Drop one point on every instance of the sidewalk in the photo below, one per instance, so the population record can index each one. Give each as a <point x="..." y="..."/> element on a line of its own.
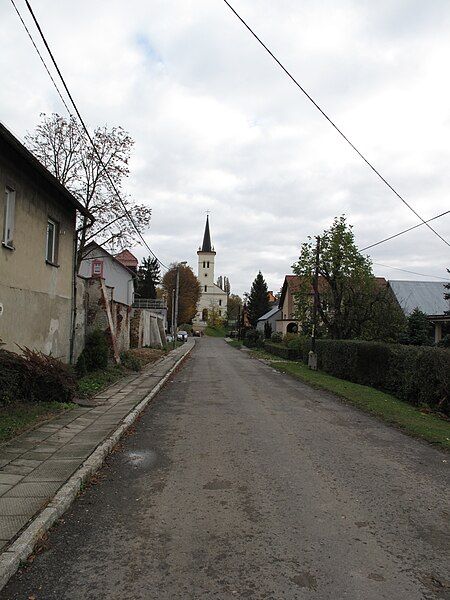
<point x="35" y="465"/>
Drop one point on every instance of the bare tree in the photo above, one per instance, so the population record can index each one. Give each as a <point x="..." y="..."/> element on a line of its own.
<point x="63" y="147"/>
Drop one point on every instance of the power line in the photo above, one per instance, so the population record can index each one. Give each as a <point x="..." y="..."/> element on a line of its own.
<point x="324" y="114"/>
<point x="126" y="211"/>
<point x="40" y="56"/>
<point x="391" y="237"/>
<point x="411" y="272"/>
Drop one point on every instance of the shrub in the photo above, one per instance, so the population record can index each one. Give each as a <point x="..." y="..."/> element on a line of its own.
<point x="279" y="350"/>
<point x="130" y="361"/>
<point x="289" y="337"/>
<point x="418" y="375"/>
<point x="95" y="353"/>
<point x="276" y="337"/>
<point x="253" y="339"/>
<point x="34" y="377"/>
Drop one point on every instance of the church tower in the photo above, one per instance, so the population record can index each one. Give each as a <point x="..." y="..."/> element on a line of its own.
<point x="212" y="296"/>
<point x="206" y="255"/>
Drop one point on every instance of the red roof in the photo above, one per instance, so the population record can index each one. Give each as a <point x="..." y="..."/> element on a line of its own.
<point x="127" y="259"/>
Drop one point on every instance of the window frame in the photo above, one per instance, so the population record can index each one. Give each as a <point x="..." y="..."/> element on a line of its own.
<point x="9" y="215"/>
<point x="53" y="259"/>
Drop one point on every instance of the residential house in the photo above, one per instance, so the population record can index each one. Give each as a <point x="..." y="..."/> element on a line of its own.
<point x="37" y="254"/>
<point x="128" y="260"/>
<point x="98" y="262"/>
<point x="286" y="321"/>
<point x="427" y="296"/>
<point x="271" y="318"/>
<point x="271" y="297"/>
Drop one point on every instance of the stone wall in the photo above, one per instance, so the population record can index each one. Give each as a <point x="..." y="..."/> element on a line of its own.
<point x="146" y="328"/>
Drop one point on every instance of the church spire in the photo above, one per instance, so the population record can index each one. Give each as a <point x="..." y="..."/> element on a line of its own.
<point x="206" y="246"/>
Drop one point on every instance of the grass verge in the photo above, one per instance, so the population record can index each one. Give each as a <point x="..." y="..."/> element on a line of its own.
<point x="94" y="382"/>
<point x="17" y="418"/>
<point x="216" y="331"/>
<point x="410" y="419"/>
<point x="235" y="343"/>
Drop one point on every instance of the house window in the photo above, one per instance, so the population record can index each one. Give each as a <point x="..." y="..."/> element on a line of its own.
<point x="97" y="268"/>
<point x="205" y="314"/>
<point x="206" y="288"/>
<point x="8" y="230"/>
<point x="51" y="252"/>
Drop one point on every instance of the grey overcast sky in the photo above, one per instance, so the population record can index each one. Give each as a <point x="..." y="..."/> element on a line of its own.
<point x="218" y="126"/>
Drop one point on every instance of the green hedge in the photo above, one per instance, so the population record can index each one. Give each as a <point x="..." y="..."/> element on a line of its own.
<point x="418" y="375"/>
<point x="281" y="350"/>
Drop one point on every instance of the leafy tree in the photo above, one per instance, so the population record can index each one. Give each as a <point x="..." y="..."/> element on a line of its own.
<point x="419" y="329"/>
<point x="214" y="319"/>
<point x="62" y="146"/>
<point x="349" y="297"/>
<point x="149" y="278"/>
<point x="234" y="307"/>
<point x="189" y="292"/>
<point x="258" y="302"/>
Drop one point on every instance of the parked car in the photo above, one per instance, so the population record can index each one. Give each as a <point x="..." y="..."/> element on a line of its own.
<point x="197" y="333"/>
<point x="182" y="336"/>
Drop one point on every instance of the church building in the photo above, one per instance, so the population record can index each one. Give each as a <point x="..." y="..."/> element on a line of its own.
<point x="212" y="296"/>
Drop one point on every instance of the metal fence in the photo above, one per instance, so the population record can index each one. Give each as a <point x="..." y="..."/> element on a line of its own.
<point x="149" y="303"/>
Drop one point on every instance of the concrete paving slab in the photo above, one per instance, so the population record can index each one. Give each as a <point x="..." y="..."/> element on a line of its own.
<point x="10" y="507"/>
<point x="40" y="456"/>
<point x="27" y="462"/>
<point x="9" y="478"/>
<point x="54" y="470"/>
<point x="36" y="489"/>
<point x="10" y="525"/>
<point x="17" y="469"/>
<point x="4" y="488"/>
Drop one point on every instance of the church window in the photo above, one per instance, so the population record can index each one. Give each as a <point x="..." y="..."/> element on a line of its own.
<point x="207" y="264"/>
<point x="206" y="274"/>
<point x="204" y="264"/>
<point x="220" y="302"/>
<point x="206" y="288"/>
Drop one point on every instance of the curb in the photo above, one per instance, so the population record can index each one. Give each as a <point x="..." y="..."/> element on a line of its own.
<point x="23" y="546"/>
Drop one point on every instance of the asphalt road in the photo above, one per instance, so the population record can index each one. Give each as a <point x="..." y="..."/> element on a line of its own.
<point x="240" y="482"/>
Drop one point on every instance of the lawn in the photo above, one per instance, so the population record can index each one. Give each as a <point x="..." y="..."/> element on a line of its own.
<point x="235" y="343"/>
<point x="411" y="420"/>
<point x="17" y="418"/>
<point x="216" y="331"/>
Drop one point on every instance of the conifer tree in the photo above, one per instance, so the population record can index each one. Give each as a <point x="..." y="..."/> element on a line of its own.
<point x="149" y="278"/>
<point x="258" y="301"/>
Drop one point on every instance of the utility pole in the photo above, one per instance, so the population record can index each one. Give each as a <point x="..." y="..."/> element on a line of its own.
<point x="177" y="293"/>
<point x="312" y="357"/>
<point x="173" y="318"/>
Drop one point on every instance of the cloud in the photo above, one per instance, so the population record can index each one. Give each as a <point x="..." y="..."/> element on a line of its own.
<point x="219" y="127"/>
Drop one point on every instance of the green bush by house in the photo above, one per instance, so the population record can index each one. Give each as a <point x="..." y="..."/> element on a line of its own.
<point x="95" y="353"/>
